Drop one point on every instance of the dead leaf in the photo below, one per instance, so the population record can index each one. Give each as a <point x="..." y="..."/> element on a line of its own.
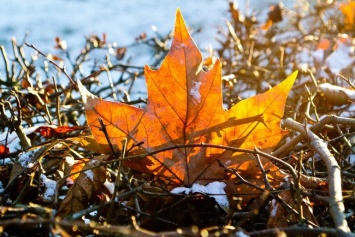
<point x="60" y="44"/>
<point x="185" y="107"/>
<point x="50" y="131"/>
<point x="348" y="10"/>
<point x="77" y="167"/>
<point x="120" y="53"/>
<point x="86" y="142"/>
<point x="85" y="188"/>
<point x="337" y="95"/>
<point x="274" y="16"/>
<point x="25" y="161"/>
<point x="280" y="217"/>
<point x="4" y="151"/>
<point x="234" y="11"/>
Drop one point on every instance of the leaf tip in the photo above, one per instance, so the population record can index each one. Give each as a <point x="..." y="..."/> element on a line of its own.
<point x="295" y="73"/>
<point x="179" y="19"/>
<point x="293" y="76"/>
<point x="85" y="94"/>
<point x="178" y="12"/>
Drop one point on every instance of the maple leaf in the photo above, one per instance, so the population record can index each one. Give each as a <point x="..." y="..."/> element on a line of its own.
<point x="185" y="107"/>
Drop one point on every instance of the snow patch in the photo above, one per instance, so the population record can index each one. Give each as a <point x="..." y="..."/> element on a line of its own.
<point x="90" y="174"/>
<point x="349" y="113"/>
<point x="110" y="186"/>
<point x="179" y="190"/>
<point x="25" y="158"/>
<point x="11" y="139"/>
<point x="214" y="190"/>
<point x="351" y="159"/>
<point x="69" y="160"/>
<point x="86" y="220"/>
<point x="195" y="91"/>
<point x="274" y="208"/>
<point x="340" y="58"/>
<point x="49" y="190"/>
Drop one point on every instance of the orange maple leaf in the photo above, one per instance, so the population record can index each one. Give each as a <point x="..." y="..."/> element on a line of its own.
<point x="185" y="107"/>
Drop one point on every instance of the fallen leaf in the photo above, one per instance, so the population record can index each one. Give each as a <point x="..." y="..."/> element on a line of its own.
<point x="348" y="10"/>
<point x="337" y="95"/>
<point x="85" y="188"/>
<point x="280" y="217"/>
<point x="185" y="107"/>
<point x="50" y="131"/>
<point x="86" y="142"/>
<point x="4" y="151"/>
<point x="274" y="16"/>
<point x="77" y="167"/>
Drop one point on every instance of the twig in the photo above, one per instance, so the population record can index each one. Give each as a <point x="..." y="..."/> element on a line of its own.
<point x="118" y="178"/>
<point x="104" y="130"/>
<point x="255" y="151"/>
<point x="244" y="181"/>
<point x="24" y="140"/>
<point x="52" y="62"/>
<point x="294" y="231"/>
<point x="345" y="79"/>
<point x="263" y="197"/>
<point x="329" y="119"/>
<point x="336" y="204"/>
<point x="6" y="61"/>
<point x="57" y="102"/>
<point x="261" y="167"/>
<point x="298" y="189"/>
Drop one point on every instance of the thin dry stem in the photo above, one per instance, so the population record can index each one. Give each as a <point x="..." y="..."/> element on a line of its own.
<point x="336" y="204"/>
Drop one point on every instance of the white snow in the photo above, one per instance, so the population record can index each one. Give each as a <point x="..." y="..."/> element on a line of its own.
<point x="340" y="58"/>
<point x="330" y="89"/>
<point x="273" y="208"/>
<point x="1" y="188"/>
<point x="195" y="91"/>
<point x="351" y="159"/>
<point x="50" y="187"/>
<point x="179" y="190"/>
<point x="110" y="186"/>
<point x="25" y="158"/>
<point x="86" y="220"/>
<point x="89" y="174"/>
<point x="240" y="233"/>
<point x="11" y="139"/>
<point x="349" y="113"/>
<point x="214" y="190"/>
<point x="198" y="188"/>
<point x="69" y="160"/>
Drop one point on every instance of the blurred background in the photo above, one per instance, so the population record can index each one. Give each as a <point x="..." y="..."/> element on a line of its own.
<point x="122" y="21"/>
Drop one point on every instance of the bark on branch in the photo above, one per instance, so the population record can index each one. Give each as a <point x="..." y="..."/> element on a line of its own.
<point x="336" y="205"/>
